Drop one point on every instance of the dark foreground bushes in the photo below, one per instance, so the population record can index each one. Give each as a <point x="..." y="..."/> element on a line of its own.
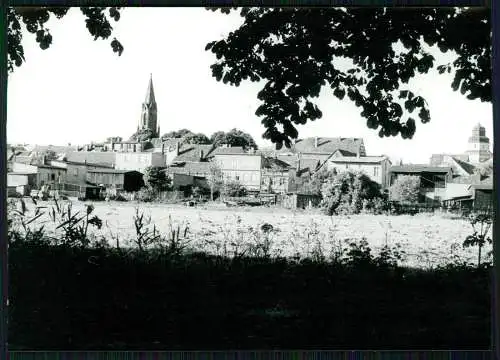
<point x="89" y="299"/>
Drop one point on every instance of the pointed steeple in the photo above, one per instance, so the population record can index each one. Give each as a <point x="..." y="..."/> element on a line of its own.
<point x="150" y="94"/>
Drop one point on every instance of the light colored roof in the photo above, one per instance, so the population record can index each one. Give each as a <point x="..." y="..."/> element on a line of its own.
<point x="454" y="191"/>
<point x="233" y="150"/>
<point x="92" y="157"/>
<point x="467" y="167"/>
<point x="191" y="152"/>
<point x="326" y="145"/>
<point x="190" y="167"/>
<point x="111" y="171"/>
<point x="419" y="169"/>
<point x="274" y="164"/>
<point x="361" y="159"/>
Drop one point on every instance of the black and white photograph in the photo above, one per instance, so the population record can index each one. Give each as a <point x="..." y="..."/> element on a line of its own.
<point x="249" y="178"/>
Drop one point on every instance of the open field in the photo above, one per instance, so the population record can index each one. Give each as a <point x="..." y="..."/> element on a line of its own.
<point x="428" y="240"/>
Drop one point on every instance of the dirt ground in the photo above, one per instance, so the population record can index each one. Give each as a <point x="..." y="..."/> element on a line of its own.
<point x="427" y="239"/>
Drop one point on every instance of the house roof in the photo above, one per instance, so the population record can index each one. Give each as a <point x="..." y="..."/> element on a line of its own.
<point x="190" y="167"/>
<point x="437" y="159"/>
<point x="21" y="173"/>
<point x="104" y="166"/>
<point x="361" y="159"/>
<point x="92" y="157"/>
<point x="191" y="152"/>
<point x="483" y="186"/>
<point x="55" y="148"/>
<point x="111" y="171"/>
<point x="274" y="164"/>
<point x="326" y="145"/>
<point x="467" y="167"/>
<point x="455" y="191"/>
<point x="419" y="169"/>
<point x="233" y="150"/>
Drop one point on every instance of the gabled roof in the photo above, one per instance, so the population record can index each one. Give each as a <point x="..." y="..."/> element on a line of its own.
<point x="326" y="145"/>
<point x="274" y="164"/>
<point x="238" y="150"/>
<point x="191" y="152"/>
<point x="357" y="160"/>
<point x="190" y="167"/>
<point x="54" y="148"/>
<point x="419" y="169"/>
<point x="467" y="167"/>
<point x="111" y="171"/>
<point x="91" y="157"/>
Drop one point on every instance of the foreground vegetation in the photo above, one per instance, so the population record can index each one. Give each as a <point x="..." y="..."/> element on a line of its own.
<point x="74" y="291"/>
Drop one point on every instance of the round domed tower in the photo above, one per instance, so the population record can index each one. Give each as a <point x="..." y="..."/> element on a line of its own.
<point x="479" y="145"/>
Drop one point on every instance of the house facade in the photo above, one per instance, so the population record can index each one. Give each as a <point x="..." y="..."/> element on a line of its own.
<point x="275" y="176"/>
<point x="23" y="183"/>
<point x="138" y="161"/>
<point x="244" y="168"/>
<point x="433" y="180"/>
<point x="126" y="180"/>
<point x="375" y="167"/>
<point x="46" y="174"/>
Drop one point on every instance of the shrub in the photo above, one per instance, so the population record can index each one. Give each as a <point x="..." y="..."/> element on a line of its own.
<point x="406" y="189"/>
<point x="345" y="193"/>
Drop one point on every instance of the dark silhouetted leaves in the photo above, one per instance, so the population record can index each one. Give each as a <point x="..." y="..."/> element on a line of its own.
<point x="34" y="19"/>
<point x="293" y="51"/>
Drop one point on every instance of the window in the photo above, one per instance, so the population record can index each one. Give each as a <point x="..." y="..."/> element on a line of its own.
<point x="376" y="171"/>
<point x="347" y="166"/>
<point x="53" y="177"/>
<point x="237" y="177"/>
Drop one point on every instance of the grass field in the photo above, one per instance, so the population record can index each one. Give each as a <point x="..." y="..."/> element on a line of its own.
<point x="428" y="240"/>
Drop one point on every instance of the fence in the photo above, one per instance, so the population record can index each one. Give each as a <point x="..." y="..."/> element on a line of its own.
<point x="432" y="208"/>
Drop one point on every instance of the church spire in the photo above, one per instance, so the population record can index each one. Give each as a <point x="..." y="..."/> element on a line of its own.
<point x="150" y="94"/>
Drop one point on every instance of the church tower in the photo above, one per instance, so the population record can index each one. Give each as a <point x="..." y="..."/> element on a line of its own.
<point x="149" y="119"/>
<point x="479" y="145"/>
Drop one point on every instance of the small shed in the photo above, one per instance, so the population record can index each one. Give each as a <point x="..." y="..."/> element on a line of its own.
<point x="127" y="180"/>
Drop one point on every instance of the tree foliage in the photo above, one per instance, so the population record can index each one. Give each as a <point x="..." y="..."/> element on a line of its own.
<point x="34" y="19"/>
<point x="347" y="192"/>
<point x="296" y="52"/>
<point x="156" y="179"/>
<point x="234" y="188"/>
<point x="142" y="135"/>
<point x="406" y="189"/>
<point x="198" y="138"/>
<point x="215" y="178"/>
<point x="234" y="137"/>
<point x="177" y="134"/>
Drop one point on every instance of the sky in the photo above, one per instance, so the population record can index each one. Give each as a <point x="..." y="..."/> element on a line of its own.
<point x="79" y="91"/>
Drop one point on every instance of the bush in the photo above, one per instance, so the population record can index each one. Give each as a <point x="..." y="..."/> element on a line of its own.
<point x="345" y="193"/>
<point x="145" y="195"/>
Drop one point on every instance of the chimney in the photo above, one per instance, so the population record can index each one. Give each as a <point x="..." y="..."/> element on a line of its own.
<point x="177" y="148"/>
<point x="358" y="153"/>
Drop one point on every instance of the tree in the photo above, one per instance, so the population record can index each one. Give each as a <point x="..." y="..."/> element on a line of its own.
<point x="234" y="137"/>
<point x="347" y="191"/>
<point x="214" y="178"/>
<point x="34" y="19"/>
<point x="234" y="188"/>
<point x="142" y="135"/>
<point x="177" y="134"/>
<point x="295" y="52"/>
<point x="198" y="138"/>
<point x="156" y="179"/>
<point x="406" y="189"/>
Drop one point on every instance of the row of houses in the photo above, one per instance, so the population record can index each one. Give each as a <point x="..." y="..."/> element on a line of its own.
<point x="453" y="181"/>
